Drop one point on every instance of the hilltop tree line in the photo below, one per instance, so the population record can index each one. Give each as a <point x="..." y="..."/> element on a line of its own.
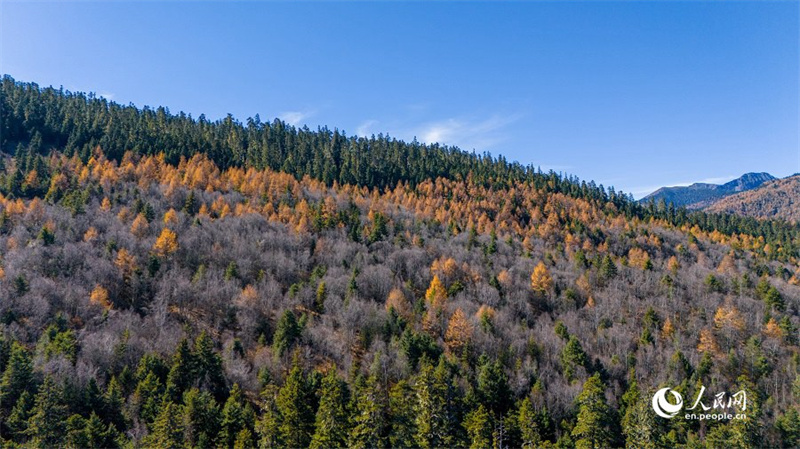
<point x="34" y="120"/>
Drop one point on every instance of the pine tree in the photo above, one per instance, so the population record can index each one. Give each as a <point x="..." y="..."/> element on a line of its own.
<point x="17" y="376"/>
<point x="268" y="426"/>
<point x="493" y="389"/>
<point x="208" y="365"/>
<point x="167" y="429"/>
<point x="286" y="332"/>
<point x="592" y="429"/>
<point x="47" y="423"/>
<point x="331" y="426"/>
<point x="201" y="418"/>
<point x="234" y="418"/>
<point x="296" y="415"/>
<point x="530" y="424"/>
<point x="181" y="375"/>
<point x="17" y="421"/>
<point x="435" y="406"/>
<point x="370" y="426"/>
<point x="479" y="428"/>
<point x="401" y="411"/>
<point x="608" y="269"/>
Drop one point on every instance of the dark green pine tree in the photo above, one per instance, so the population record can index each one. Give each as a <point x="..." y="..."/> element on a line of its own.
<point x="17" y="421"/>
<point x="201" y="419"/>
<point x="148" y="397"/>
<point x="286" y="332"/>
<point x="294" y="406"/>
<point x="370" y="425"/>
<point x="401" y="411"/>
<point x="91" y="432"/>
<point x="190" y="205"/>
<point x="47" y="424"/>
<point x="332" y="426"/>
<point x="235" y="418"/>
<point x="268" y="426"/>
<point x="493" y="390"/>
<point x="181" y="375"/>
<point x="608" y="269"/>
<point x="208" y="365"/>
<point x="113" y="401"/>
<point x="167" y="430"/>
<point x="593" y="427"/>
<point x="17" y="377"/>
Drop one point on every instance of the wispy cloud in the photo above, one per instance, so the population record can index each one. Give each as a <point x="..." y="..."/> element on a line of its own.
<point x="107" y="95"/>
<point x="295" y="118"/>
<point x="467" y="133"/>
<point x="365" y="128"/>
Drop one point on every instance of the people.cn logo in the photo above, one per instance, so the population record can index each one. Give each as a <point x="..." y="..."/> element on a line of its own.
<point x="663" y="407"/>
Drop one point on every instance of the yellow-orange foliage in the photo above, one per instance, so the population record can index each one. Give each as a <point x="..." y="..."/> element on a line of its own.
<point x="638" y="258"/>
<point x="459" y="332"/>
<point x="170" y="217"/>
<point x="668" y="329"/>
<point x="125" y="262"/>
<point x="436" y="295"/>
<point x="397" y="301"/>
<point x="772" y="330"/>
<point x="140" y="226"/>
<point x="707" y="342"/>
<point x="99" y="296"/>
<point x="727" y="265"/>
<point x="105" y="204"/>
<point x="90" y="234"/>
<point x="728" y="317"/>
<point x="485" y="313"/>
<point x="541" y="281"/>
<point x="167" y="243"/>
<point x="673" y="265"/>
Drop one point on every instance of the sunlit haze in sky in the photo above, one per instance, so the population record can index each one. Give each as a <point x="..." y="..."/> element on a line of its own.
<point x="631" y="94"/>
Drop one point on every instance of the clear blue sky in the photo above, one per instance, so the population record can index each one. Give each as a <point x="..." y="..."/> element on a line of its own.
<point x="631" y="94"/>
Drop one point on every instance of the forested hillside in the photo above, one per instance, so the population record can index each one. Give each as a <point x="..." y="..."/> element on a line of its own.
<point x="171" y="282"/>
<point x="776" y="199"/>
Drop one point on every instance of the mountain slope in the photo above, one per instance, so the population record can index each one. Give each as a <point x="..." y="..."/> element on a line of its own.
<point x="260" y="306"/>
<point x="700" y="194"/>
<point x="779" y="198"/>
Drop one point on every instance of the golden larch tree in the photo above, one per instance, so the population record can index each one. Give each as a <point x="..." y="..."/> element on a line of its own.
<point x="459" y="332"/>
<point x="167" y="243"/>
<point x="541" y="281"/>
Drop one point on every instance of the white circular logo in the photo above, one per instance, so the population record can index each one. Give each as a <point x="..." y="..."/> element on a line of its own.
<point x="662" y="406"/>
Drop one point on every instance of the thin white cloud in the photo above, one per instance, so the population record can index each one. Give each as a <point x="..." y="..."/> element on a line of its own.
<point x="295" y="118"/>
<point x="107" y="95"/>
<point x="365" y="128"/>
<point x="468" y="134"/>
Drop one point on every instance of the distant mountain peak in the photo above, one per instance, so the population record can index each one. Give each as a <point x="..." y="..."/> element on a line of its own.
<point x="702" y="194"/>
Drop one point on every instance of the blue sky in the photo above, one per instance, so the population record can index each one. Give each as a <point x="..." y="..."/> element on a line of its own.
<point x="631" y="94"/>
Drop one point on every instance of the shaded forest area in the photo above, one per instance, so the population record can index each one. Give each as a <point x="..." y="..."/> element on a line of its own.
<point x="171" y="282"/>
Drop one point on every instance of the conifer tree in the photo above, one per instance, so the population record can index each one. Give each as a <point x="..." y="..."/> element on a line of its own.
<point x="479" y="426"/>
<point x="296" y="415"/>
<point x="592" y="429"/>
<point x="17" y="377"/>
<point x="331" y="424"/>
<point x="167" y="428"/>
<point x="401" y="411"/>
<point x="235" y="418"/>
<point x="47" y="424"/>
<point x="201" y="418"/>
<point x="370" y="426"/>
